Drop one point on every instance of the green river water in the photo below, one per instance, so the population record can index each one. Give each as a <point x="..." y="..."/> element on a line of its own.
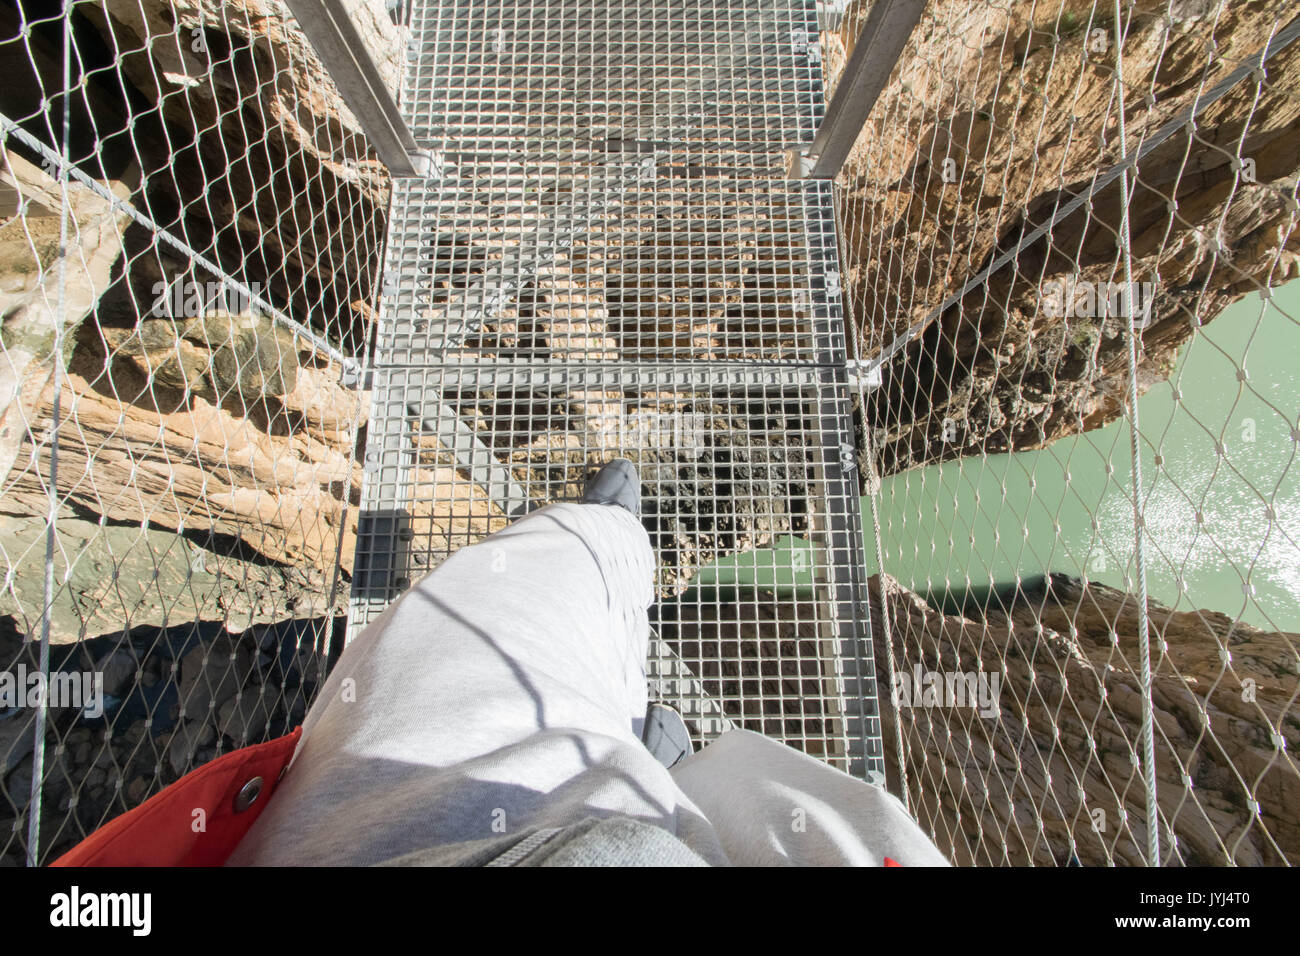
<point x="1220" y="479"/>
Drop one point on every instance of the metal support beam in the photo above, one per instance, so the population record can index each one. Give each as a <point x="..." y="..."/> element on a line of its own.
<point x="335" y="39"/>
<point x="472" y="456"/>
<point x="846" y="628"/>
<point x="836" y="515"/>
<point x="470" y="373"/>
<point x="877" y="49"/>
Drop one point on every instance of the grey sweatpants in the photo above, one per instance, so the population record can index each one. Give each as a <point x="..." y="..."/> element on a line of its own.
<point x="505" y="692"/>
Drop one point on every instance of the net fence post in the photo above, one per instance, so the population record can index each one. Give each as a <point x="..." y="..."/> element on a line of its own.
<point x="1139" y="555"/>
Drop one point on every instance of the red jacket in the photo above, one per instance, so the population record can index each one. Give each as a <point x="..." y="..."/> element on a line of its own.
<point x="168" y="830"/>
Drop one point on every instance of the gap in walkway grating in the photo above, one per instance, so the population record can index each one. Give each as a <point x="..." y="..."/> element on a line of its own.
<point x="610" y="261"/>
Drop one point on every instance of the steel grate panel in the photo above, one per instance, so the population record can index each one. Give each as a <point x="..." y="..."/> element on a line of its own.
<point x="644" y="263"/>
<point x="724" y="472"/>
<point x="608" y="259"/>
<point x="487" y="75"/>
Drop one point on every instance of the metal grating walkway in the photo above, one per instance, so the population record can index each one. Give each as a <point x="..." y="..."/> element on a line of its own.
<point x="714" y="76"/>
<point x="608" y="260"/>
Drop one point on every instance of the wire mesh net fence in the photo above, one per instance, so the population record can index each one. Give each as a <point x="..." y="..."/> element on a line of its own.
<point x="1067" y="231"/>
<point x="222" y="439"/>
<point x="191" y="230"/>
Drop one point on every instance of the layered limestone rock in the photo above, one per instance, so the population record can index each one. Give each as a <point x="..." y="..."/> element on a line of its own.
<point x="276" y="477"/>
<point x="216" y="355"/>
<point x="45" y="295"/>
<point x="1054" y="776"/>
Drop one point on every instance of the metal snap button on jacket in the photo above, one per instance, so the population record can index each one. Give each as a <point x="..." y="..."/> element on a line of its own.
<point x="248" y="794"/>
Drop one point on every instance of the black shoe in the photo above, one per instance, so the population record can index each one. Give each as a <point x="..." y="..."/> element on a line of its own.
<point x="615" y="484"/>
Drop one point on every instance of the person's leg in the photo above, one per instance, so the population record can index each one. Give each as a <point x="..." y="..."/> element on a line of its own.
<point x="771" y="805"/>
<point x="506" y="689"/>
<point x="541" y="625"/>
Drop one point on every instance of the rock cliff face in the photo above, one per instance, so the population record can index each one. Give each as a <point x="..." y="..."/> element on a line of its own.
<point x="220" y="119"/>
<point x="1053" y="778"/>
<point x="217" y="121"/>
<point x="1027" y="119"/>
<point x="258" y="160"/>
<point x="32" y="272"/>
<point x="240" y="473"/>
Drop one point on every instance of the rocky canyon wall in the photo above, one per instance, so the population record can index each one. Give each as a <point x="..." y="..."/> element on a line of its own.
<point x="994" y="118"/>
<point x="1053" y="777"/>
<point x="176" y="413"/>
